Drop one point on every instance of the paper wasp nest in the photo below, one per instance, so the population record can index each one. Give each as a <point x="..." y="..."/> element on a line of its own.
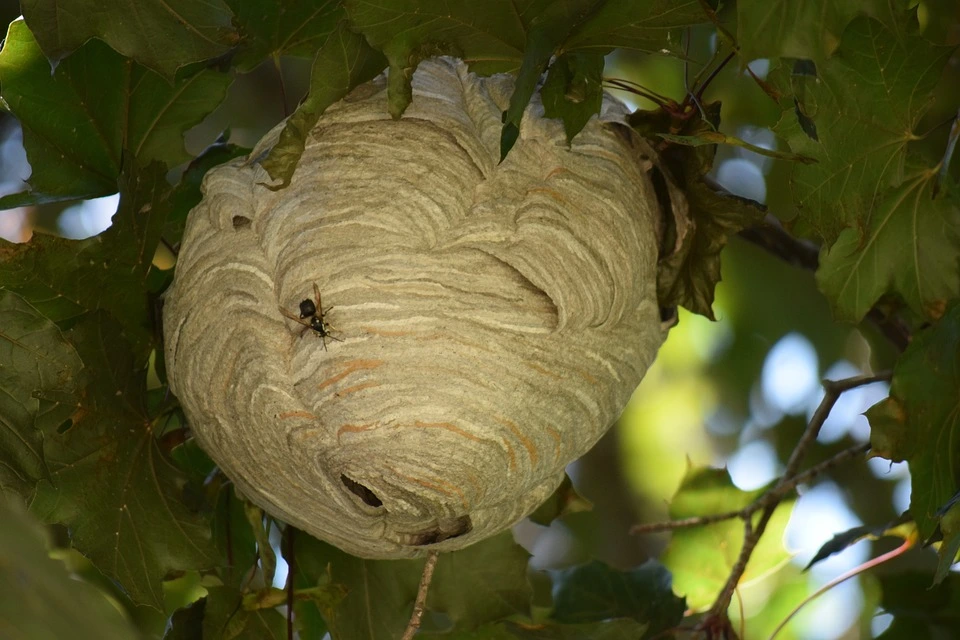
<point x="492" y="319"/>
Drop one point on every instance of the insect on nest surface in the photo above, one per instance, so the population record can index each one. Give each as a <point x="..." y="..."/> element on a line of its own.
<point x="492" y="319"/>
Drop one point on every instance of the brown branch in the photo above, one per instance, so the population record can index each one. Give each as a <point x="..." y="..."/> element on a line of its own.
<point x="768" y="502"/>
<point x="421" y="602"/>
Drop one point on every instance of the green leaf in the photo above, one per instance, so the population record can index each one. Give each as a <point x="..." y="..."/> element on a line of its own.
<point x="809" y="29"/>
<point x="865" y="101"/>
<point x="65" y="279"/>
<point x="918" y="610"/>
<point x="289" y="28"/>
<point x="105" y="106"/>
<point x="911" y="247"/>
<point x="41" y="598"/>
<point x="109" y="482"/>
<point x="709" y="137"/>
<point x="701" y="558"/>
<point x="163" y="35"/>
<point x="186" y="623"/>
<point x="482" y="583"/>
<point x="563" y="501"/>
<point x="654" y="26"/>
<point x="344" y="61"/>
<point x="573" y="90"/>
<point x="920" y="421"/>
<point x="850" y="537"/>
<point x="234" y="538"/>
<point x="39" y="373"/>
<point x="620" y="629"/>
<point x="379" y="593"/>
<point x="593" y="592"/>
<point x="225" y="618"/>
<point x="186" y="195"/>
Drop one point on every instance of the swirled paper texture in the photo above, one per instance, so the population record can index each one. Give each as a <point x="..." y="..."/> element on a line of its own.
<point x="493" y="319"/>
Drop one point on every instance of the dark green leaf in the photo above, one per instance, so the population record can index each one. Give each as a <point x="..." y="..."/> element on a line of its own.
<point x="379" y="594"/>
<point x="65" y="279"/>
<point x="186" y="195"/>
<point x="622" y="629"/>
<point x="225" y="618"/>
<point x="573" y="90"/>
<point x="701" y="558"/>
<point x="287" y="28"/>
<point x="866" y="102"/>
<point x="850" y="537"/>
<point x="105" y="106"/>
<point x="109" y="482"/>
<point x="911" y="247"/>
<point x="39" y="373"/>
<point x="233" y="537"/>
<point x="920" y="421"/>
<point x="563" y="501"/>
<point x="809" y="29"/>
<point x="654" y="26"/>
<point x="918" y="610"/>
<point x="595" y="592"/>
<point x="187" y="623"/>
<point x="344" y="61"/>
<point x="482" y="583"/>
<point x="163" y="35"/>
<point x="41" y="598"/>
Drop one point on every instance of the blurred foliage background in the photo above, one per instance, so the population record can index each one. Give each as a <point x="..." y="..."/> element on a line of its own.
<point x="735" y="393"/>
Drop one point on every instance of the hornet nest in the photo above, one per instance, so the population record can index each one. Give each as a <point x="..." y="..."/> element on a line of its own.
<point x="482" y="323"/>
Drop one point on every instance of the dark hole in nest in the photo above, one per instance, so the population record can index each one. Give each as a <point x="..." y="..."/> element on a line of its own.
<point x="443" y="532"/>
<point x="364" y="493"/>
<point x="240" y="222"/>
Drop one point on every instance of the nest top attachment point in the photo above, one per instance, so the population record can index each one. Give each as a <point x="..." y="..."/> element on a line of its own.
<point x="420" y="337"/>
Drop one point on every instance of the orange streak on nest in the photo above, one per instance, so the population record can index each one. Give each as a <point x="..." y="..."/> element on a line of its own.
<point x="586" y="376"/>
<point x="553" y="433"/>
<point x="356" y="428"/>
<point x="547" y="191"/>
<point x="511" y="456"/>
<point x="438" y="485"/>
<point x="555" y="172"/>
<point x="543" y="370"/>
<point x="357" y="387"/>
<point x="524" y="440"/>
<point x="297" y="414"/>
<point x="348" y="368"/>
<point x="449" y="427"/>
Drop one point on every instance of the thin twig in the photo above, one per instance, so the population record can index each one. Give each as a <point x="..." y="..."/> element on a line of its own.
<point x="771" y="499"/>
<point x="890" y="555"/>
<point x="421" y="602"/>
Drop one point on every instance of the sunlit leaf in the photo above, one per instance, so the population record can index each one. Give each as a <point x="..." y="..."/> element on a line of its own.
<point x="920" y="421"/>
<point x="42" y="599"/>
<point x="911" y="247"/>
<point x="163" y="35"/>
<point x="39" y="378"/>
<point x="79" y="121"/>
<point x="287" y="28"/>
<point x="701" y="558"/>
<point x="865" y="101"/>
<point x="950" y="546"/>
<point x="595" y="592"/>
<point x="110" y="484"/>
<point x="344" y="61"/>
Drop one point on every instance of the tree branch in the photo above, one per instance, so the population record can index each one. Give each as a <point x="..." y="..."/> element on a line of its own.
<point x="768" y="502"/>
<point x="773" y="238"/>
<point x="421" y="602"/>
